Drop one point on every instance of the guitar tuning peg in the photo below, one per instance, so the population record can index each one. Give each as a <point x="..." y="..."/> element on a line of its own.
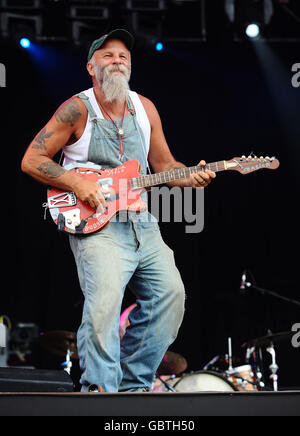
<point x="261" y="157"/>
<point x="267" y="157"/>
<point x="249" y="157"/>
<point x="243" y="157"/>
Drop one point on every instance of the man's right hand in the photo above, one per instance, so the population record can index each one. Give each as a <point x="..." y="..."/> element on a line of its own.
<point x="91" y="193"/>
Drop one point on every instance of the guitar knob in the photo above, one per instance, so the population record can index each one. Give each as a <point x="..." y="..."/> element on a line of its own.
<point x="101" y="211"/>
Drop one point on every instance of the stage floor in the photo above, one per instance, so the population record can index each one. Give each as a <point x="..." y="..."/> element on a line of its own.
<point x="283" y="403"/>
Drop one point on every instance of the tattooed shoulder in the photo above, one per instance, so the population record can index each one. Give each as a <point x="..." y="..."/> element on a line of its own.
<point x="68" y="113"/>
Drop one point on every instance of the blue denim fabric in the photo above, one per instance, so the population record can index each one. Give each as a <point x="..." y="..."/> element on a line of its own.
<point x="134" y="254"/>
<point x="129" y="253"/>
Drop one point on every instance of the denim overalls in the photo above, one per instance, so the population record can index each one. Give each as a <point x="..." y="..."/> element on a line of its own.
<point x="125" y="253"/>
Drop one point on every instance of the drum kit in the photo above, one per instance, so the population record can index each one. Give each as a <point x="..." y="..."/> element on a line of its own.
<point x="222" y="374"/>
<point x="227" y="373"/>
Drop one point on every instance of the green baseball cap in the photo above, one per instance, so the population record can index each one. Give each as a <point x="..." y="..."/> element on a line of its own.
<point x="121" y="34"/>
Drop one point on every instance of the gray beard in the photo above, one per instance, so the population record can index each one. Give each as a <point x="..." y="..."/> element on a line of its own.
<point x="115" y="86"/>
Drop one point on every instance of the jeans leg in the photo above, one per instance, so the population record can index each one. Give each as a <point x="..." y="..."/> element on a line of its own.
<point x="104" y="271"/>
<point x="155" y="322"/>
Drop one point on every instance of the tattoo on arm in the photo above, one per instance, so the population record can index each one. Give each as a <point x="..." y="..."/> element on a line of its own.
<point x="41" y="138"/>
<point x="68" y="113"/>
<point x="51" y="170"/>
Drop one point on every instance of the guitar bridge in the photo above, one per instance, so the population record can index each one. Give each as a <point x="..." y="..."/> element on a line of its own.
<point x="65" y="199"/>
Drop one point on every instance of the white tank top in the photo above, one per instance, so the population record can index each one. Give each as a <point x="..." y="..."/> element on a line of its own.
<point x="80" y="149"/>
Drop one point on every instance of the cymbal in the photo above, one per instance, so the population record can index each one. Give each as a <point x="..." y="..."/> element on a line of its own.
<point x="172" y="363"/>
<point x="59" y="342"/>
<point x="265" y="341"/>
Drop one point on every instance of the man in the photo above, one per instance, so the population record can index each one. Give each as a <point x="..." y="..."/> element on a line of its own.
<point x="109" y="124"/>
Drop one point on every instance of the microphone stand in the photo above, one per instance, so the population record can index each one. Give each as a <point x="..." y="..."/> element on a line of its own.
<point x="263" y="291"/>
<point x="273" y="294"/>
<point x="270" y="349"/>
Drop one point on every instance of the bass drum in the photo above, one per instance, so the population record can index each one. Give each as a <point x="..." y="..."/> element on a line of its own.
<point x="202" y="381"/>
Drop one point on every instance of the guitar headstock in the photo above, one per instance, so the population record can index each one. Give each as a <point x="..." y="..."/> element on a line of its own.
<point x="247" y="165"/>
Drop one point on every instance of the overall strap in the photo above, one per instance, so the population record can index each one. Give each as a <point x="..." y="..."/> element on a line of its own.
<point x="130" y="106"/>
<point x="131" y="109"/>
<point x="88" y="105"/>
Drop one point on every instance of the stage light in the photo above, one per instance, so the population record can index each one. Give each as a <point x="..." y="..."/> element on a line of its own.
<point x="159" y="46"/>
<point x="253" y="31"/>
<point x="25" y="42"/>
<point x="249" y="18"/>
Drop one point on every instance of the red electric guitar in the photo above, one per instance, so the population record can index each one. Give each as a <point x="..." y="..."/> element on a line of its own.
<point x="123" y="187"/>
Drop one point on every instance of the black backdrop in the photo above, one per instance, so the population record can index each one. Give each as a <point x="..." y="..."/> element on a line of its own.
<point x="216" y="101"/>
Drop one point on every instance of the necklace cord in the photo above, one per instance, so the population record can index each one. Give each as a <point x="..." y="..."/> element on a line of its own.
<point x="122" y="148"/>
<point x="120" y="130"/>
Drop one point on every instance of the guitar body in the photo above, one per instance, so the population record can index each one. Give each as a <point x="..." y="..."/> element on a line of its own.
<point x="76" y="217"/>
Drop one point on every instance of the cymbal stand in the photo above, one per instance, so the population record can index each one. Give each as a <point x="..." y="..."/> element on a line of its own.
<point x="257" y="359"/>
<point x="230" y="354"/>
<point x="250" y="352"/>
<point x="68" y="363"/>
<point x="273" y="367"/>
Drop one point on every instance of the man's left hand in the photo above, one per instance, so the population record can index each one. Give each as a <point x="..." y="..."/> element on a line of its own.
<point x="202" y="178"/>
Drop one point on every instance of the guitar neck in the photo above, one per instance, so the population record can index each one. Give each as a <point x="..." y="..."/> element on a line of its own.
<point x="150" y="180"/>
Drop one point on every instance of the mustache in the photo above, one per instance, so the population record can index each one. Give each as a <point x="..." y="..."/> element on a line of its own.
<point x="117" y="69"/>
<point x="112" y="68"/>
<point x="103" y="73"/>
